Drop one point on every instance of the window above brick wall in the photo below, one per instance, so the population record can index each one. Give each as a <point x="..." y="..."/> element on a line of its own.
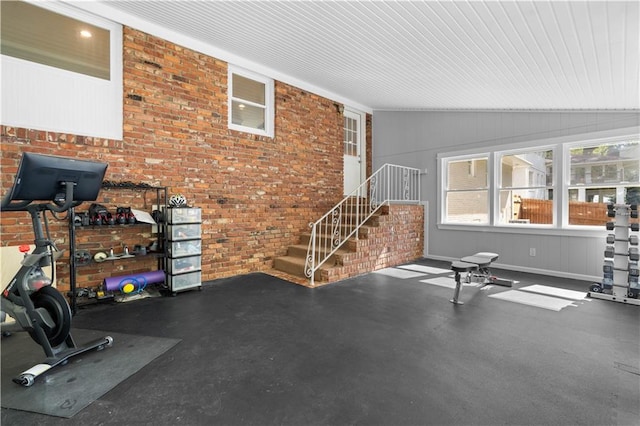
<point x="64" y="74"/>
<point x="250" y="102"/>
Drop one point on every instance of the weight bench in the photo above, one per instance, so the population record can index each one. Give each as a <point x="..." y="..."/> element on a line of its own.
<point x="476" y="268"/>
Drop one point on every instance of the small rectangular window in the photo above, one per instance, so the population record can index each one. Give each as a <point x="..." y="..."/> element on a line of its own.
<point x="250" y="102"/>
<point x="350" y="136"/>
<point x="56" y="40"/>
<point x="467" y="191"/>
<point x="67" y="59"/>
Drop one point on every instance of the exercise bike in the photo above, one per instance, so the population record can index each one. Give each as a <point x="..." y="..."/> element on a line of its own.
<point x="35" y="306"/>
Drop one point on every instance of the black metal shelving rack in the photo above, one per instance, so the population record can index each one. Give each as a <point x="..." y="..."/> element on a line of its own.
<point x="161" y="203"/>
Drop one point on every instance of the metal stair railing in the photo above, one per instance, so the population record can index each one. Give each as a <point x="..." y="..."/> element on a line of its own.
<point x="389" y="184"/>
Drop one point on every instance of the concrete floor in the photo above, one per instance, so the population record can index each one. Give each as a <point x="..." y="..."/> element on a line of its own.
<point x="371" y="350"/>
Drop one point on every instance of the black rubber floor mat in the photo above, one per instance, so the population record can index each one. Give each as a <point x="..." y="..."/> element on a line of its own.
<point x="65" y="390"/>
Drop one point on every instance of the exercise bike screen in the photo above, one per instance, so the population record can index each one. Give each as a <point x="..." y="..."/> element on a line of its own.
<point x="41" y="177"/>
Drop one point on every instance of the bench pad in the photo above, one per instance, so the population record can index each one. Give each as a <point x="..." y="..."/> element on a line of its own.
<point x="459" y="266"/>
<point x="482" y="259"/>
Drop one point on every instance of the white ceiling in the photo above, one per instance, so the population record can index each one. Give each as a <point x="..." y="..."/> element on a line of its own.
<point x="399" y="55"/>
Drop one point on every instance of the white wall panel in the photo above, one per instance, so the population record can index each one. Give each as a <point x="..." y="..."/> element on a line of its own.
<point x="415" y="139"/>
<point x="40" y="97"/>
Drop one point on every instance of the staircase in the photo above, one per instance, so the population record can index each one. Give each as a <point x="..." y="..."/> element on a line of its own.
<point x="353" y="237"/>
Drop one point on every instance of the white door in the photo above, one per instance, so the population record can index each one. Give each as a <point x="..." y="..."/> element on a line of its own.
<point x="353" y="151"/>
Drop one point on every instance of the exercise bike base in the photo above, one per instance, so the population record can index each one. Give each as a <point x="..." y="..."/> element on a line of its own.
<point x="28" y="377"/>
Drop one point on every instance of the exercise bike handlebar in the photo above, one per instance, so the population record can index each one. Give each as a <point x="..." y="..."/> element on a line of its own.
<point x="22" y="205"/>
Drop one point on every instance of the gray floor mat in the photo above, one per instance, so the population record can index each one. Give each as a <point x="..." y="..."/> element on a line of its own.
<point x="64" y="391"/>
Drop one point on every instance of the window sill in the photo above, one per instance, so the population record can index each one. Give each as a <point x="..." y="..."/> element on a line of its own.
<point x="571" y="231"/>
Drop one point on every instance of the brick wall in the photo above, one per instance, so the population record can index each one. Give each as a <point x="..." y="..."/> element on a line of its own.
<point x="257" y="193"/>
<point x="398" y="239"/>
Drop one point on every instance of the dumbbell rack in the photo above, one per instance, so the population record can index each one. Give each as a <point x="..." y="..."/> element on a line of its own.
<point x="620" y="268"/>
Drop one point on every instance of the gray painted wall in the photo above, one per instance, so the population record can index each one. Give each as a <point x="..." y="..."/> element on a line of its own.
<point x="415" y="138"/>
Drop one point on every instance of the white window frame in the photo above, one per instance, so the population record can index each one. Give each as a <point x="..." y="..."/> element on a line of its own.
<point x="567" y="173"/>
<point x="269" y="113"/>
<point x="42" y="97"/>
<point x="445" y="186"/>
<point x="497" y="185"/>
<point x="561" y="147"/>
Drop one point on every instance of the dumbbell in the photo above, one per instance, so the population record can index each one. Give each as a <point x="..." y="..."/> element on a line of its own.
<point x="634" y="210"/>
<point x="633" y="239"/>
<point x="633" y="269"/>
<point x="611" y="212"/>
<point x="612" y="225"/>
<point x="609" y="251"/>
<point x="607" y="267"/>
<point x="633" y="281"/>
<point x="634" y="254"/>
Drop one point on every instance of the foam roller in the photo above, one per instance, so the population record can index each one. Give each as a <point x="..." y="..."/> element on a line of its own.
<point x="134" y="282"/>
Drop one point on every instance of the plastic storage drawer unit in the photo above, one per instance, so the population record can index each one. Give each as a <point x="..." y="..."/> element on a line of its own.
<point x="181" y="265"/>
<point x="185" y="248"/>
<point x="184" y="215"/>
<point x="184" y="281"/>
<point x="184" y="232"/>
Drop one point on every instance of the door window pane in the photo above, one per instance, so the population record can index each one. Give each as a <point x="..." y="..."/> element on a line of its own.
<point x="350" y="136"/>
